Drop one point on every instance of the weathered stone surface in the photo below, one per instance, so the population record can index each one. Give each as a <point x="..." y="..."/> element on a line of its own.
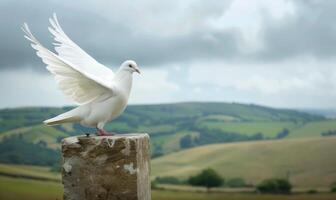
<point x="106" y="167"/>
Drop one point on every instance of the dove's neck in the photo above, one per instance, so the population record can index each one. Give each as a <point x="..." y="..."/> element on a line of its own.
<point x="124" y="80"/>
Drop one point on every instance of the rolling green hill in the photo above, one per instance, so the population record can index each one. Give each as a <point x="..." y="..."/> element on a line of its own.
<point x="268" y="129"/>
<point x="37" y="133"/>
<point x="149" y="116"/>
<point x="169" y="124"/>
<point x="309" y="161"/>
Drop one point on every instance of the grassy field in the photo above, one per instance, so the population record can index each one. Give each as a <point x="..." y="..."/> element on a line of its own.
<point x="171" y="143"/>
<point x="268" y="129"/>
<point x="18" y="189"/>
<point x="220" y="118"/>
<point x="172" y="195"/>
<point x="26" y="170"/>
<point x="313" y="129"/>
<point x="308" y="161"/>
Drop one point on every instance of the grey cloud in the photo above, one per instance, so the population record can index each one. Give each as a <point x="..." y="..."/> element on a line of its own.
<point x="108" y="41"/>
<point x="111" y="38"/>
<point x="15" y="51"/>
<point x="310" y="31"/>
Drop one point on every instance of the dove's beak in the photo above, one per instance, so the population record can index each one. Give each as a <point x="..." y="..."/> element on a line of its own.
<point x="137" y="70"/>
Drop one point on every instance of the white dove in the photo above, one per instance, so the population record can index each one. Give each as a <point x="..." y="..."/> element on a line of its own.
<point x="102" y="95"/>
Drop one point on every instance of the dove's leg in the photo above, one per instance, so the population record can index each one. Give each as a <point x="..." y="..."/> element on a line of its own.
<point x="102" y="132"/>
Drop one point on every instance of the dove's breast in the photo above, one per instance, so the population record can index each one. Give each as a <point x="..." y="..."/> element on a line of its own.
<point x="108" y="108"/>
<point x="105" y="111"/>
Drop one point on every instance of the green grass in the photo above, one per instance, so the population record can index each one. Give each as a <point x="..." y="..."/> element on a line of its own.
<point x="313" y="129"/>
<point x="171" y="195"/>
<point x="156" y="129"/>
<point x="35" y="171"/>
<point x="309" y="161"/>
<point x="268" y="129"/>
<point x="171" y="143"/>
<point x="221" y="118"/>
<point x="17" y="188"/>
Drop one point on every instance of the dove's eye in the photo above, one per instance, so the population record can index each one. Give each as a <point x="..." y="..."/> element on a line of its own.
<point x="130" y="65"/>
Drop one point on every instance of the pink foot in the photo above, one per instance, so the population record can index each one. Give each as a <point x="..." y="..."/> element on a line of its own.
<point x="102" y="132"/>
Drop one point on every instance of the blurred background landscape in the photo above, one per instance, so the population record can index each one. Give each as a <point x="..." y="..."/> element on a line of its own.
<point x="243" y="144"/>
<point x="238" y="97"/>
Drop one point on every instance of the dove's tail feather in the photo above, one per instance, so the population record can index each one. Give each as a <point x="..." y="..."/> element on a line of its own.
<point x="68" y="117"/>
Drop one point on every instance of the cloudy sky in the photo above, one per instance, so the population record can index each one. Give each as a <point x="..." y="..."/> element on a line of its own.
<point x="277" y="53"/>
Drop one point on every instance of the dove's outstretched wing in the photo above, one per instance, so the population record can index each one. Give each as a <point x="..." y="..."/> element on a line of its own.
<point x="70" y="51"/>
<point x="81" y="85"/>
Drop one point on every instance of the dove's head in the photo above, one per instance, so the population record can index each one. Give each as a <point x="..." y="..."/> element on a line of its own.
<point x="130" y="66"/>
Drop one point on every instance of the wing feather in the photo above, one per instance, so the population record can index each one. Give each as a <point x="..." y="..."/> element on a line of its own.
<point x="70" y="51"/>
<point x="73" y="81"/>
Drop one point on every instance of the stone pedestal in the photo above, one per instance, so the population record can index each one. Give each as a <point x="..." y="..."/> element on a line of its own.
<point x="106" y="167"/>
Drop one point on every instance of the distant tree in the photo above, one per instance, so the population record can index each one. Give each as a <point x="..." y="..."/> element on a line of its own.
<point x="186" y="141"/>
<point x="333" y="187"/>
<point x="257" y="136"/>
<point x="154" y="185"/>
<point x="312" y="191"/>
<point x="207" y="178"/>
<point x="282" y="133"/>
<point x="329" y="133"/>
<point x="275" y="186"/>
